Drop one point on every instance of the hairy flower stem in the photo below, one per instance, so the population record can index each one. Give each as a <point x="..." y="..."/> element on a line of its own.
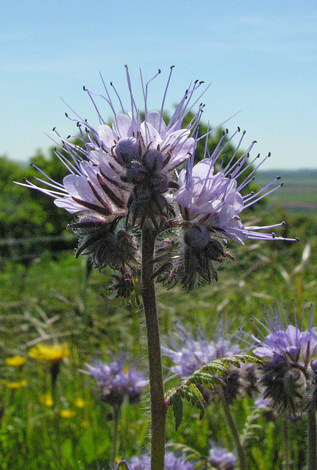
<point x="158" y="406"/>
<point x="115" y="434"/>
<point x="286" y="446"/>
<point x="312" y="435"/>
<point x="234" y="432"/>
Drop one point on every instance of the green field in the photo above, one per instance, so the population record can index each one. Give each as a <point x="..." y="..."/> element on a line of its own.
<point x="299" y="191"/>
<point x="51" y="300"/>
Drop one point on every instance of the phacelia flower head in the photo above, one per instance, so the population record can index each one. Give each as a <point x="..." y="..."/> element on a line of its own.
<point x="190" y="354"/>
<point x="289" y="371"/>
<point x="172" y="462"/>
<point x="213" y="199"/>
<point x="126" y="169"/>
<point x="116" y="381"/>
<point x="221" y="458"/>
<point x="278" y="337"/>
<point x="210" y="201"/>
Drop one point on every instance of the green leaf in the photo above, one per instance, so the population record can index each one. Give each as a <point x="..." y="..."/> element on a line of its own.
<point x="177" y="404"/>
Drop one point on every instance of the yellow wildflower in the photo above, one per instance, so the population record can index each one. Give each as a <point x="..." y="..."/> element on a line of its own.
<point x="14" y="385"/>
<point x="53" y="353"/>
<point x="15" y="361"/>
<point x="80" y="403"/>
<point x="67" y="413"/>
<point x="46" y="400"/>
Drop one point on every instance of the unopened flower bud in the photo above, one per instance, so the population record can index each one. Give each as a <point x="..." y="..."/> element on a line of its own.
<point x="197" y="237"/>
<point x="153" y="160"/>
<point x="127" y="150"/>
<point x="215" y="251"/>
<point x="135" y="173"/>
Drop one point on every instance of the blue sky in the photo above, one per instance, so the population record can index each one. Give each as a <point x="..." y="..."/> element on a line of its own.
<point x="259" y="56"/>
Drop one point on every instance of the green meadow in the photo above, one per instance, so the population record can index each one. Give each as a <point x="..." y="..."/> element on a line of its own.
<point x="47" y="296"/>
<point x="55" y="298"/>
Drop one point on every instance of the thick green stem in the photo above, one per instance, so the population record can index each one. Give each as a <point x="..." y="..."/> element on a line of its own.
<point x="158" y="406"/>
<point x="234" y="432"/>
<point x="312" y="447"/>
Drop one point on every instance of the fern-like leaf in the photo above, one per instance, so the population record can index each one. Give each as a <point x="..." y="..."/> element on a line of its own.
<point x="251" y="429"/>
<point x="208" y="376"/>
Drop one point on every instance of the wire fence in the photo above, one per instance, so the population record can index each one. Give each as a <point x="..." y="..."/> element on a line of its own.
<point x="26" y="249"/>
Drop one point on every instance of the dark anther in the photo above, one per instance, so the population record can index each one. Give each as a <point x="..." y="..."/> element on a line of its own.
<point x="269" y="154"/>
<point x="278" y="177"/>
<point x="297" y="239"/>
<point x="201" y="82"/>
<point x="69" y="136"/>
<point x="283" y="223"/>
<point x="282" y="184"/>
<point x="172" y="66"/>
<point x="238" y="129"/>
<point x="53" y="129"/>
<point x="66" y="115"/>
<point x="273" y="235"/>
<point x="84" y="88"/>
<point x="159" y="71"/>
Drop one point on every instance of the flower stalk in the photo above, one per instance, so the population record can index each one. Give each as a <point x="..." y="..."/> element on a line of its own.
<point x="234" y="432"/>
<point x="312" y="436"/>
<point x="115" y="434"/>
<point x="158" y="406"/>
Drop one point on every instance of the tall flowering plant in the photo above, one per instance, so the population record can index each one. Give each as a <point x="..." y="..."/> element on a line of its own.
<point x="138" y="177"/>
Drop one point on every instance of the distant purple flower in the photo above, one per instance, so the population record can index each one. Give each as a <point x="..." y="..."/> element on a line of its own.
<point x="280" y="338"/>
<point x="190" y="354"/>
<point x="212" y="199"/>
<point x="124" y="170"/>
<point x="221" y="458"/>
<point x="116" y="381"/>
<point x="292" y="352"/>
<point x="172" y="462"/>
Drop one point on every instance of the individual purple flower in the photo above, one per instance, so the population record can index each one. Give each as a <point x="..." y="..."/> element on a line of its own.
<point x="124" y="170"/>
<point x="221" y="459"/>
<point x="172" y="462"/>
<point x="116" y="381"/>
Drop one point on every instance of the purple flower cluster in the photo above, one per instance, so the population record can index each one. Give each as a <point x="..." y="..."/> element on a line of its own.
<point x="190" y="354"/>
<point x="291" y="370"/>
<point x="172" y="462"/>
<point x="116" y="381"/>
<point x="212" y="199"/>
<point x="221" y="459"/>
<point x="125" y="175"/>
<point x="125" y="169"/>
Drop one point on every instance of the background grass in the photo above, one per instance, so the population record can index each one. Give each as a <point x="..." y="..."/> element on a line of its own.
<point x="53" y="299"/>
